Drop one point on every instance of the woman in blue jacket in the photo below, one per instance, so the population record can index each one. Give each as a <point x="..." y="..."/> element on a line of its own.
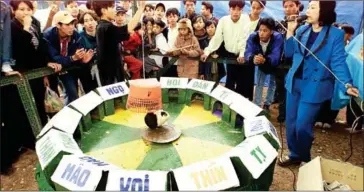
<point x="309" y="82"/>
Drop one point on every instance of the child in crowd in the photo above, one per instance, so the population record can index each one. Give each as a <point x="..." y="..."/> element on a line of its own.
<point x="120" y="18"/>
<point x="161" y="43"/>
<point x="199" y="23"/>
<point x="159" y="12"/>
<point x="172" y="15"/>
<point x="217" y="70"/>
<point x="149" y="39"/>
<point x="130" y="46"/>
<point x="186" y="45"/>
<point x="108" y="38"/>
<point x="149" y="10"/>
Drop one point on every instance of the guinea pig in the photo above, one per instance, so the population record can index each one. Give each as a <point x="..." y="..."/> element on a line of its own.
<point x="156" y="119"/>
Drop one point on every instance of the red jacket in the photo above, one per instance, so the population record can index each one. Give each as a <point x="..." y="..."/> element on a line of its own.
<point x="133" y="43"/>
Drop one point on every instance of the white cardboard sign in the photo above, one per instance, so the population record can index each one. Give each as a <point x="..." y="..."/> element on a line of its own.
<point x="244" y="107"/>
<point x="53" y="142"/>
<point x="75" y="175"/>
<point x="173" y="83"/>
<point x="65" y="120"/>
<point x="211" y="175"/>
<point x="259" y="125"/>
<point x="133" y="180"/>
<point x="223" y="94"/>
<point x="113" y="91"/>
<point x="96" y="162"/>
<point x="201" y="85"/>
<point x="256" y="153"/>
<point x="87" y="102"/>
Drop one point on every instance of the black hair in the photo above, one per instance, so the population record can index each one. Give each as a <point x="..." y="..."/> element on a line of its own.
<point x="208" y="5"/>
<point x="259" y="2"/>
<point x="99" y="5"/>
<point x="297" y="2"/>
<point x="195" y="18"/>
<point x="348" y="29"/>
<point x="237" y="3"/>
<point x="268" y="22"/>
<point x="184" y="1"/>
<point x="172" y="11"/>
<point x="161" y="5"/>
<point x="150" y="6"/>
<point x="327" y="13"/>
<point x="67" y="2"/>
<point x="160" y="23"/>
<point x="210" y="22"/>
<point x="138" y="27"/>
<point x="148" y="19"/>
<point x="151" y="121"/>
<point x="91" y="13"/>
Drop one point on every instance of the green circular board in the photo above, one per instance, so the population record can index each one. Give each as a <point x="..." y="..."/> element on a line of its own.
<point x="117" y="139"/>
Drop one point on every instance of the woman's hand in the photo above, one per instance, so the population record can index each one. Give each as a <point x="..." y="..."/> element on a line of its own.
<point x="353" y="92"/>
<point x="27" y="23"/>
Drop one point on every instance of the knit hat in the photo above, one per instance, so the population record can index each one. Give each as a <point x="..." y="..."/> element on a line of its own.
<point x="185" y="23"/>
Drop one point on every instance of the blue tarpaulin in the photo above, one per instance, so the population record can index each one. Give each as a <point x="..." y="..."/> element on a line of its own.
<point x="350" y="12"/>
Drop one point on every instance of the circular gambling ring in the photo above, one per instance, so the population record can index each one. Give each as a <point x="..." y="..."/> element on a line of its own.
<point x="117" y="139"/>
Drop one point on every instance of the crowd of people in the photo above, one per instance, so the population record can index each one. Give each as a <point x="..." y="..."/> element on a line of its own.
<point x="103" y="42"/>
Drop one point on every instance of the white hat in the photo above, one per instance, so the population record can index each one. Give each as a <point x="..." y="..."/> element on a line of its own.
<point x="63" y="17"/>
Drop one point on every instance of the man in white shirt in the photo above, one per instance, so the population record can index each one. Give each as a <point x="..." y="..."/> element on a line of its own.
<point x="45" y="16"/>
<point x="233" y="30"/>
<point x="172" y="18"/>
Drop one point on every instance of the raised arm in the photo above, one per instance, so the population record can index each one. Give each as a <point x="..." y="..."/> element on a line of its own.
<point x="136" y="18"/>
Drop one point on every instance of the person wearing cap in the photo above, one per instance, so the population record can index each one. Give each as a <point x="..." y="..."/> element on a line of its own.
<point x="126" y="4"/>
<point x="120" y="18"/>
<point x="159" y="12"/>
<point x="64" y="45"/>
<point x="108" y="37"/>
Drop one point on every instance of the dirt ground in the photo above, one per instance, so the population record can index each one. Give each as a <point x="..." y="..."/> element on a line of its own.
<point x="331" y="144"/>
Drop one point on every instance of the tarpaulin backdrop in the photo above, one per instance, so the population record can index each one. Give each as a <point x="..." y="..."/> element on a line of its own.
<point x="350" y="12"/>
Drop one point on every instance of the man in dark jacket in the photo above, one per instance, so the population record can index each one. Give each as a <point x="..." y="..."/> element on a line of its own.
<point x="264" y="49"/>
<point x="190" y="8"/>
<point x="65" y="48"/>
